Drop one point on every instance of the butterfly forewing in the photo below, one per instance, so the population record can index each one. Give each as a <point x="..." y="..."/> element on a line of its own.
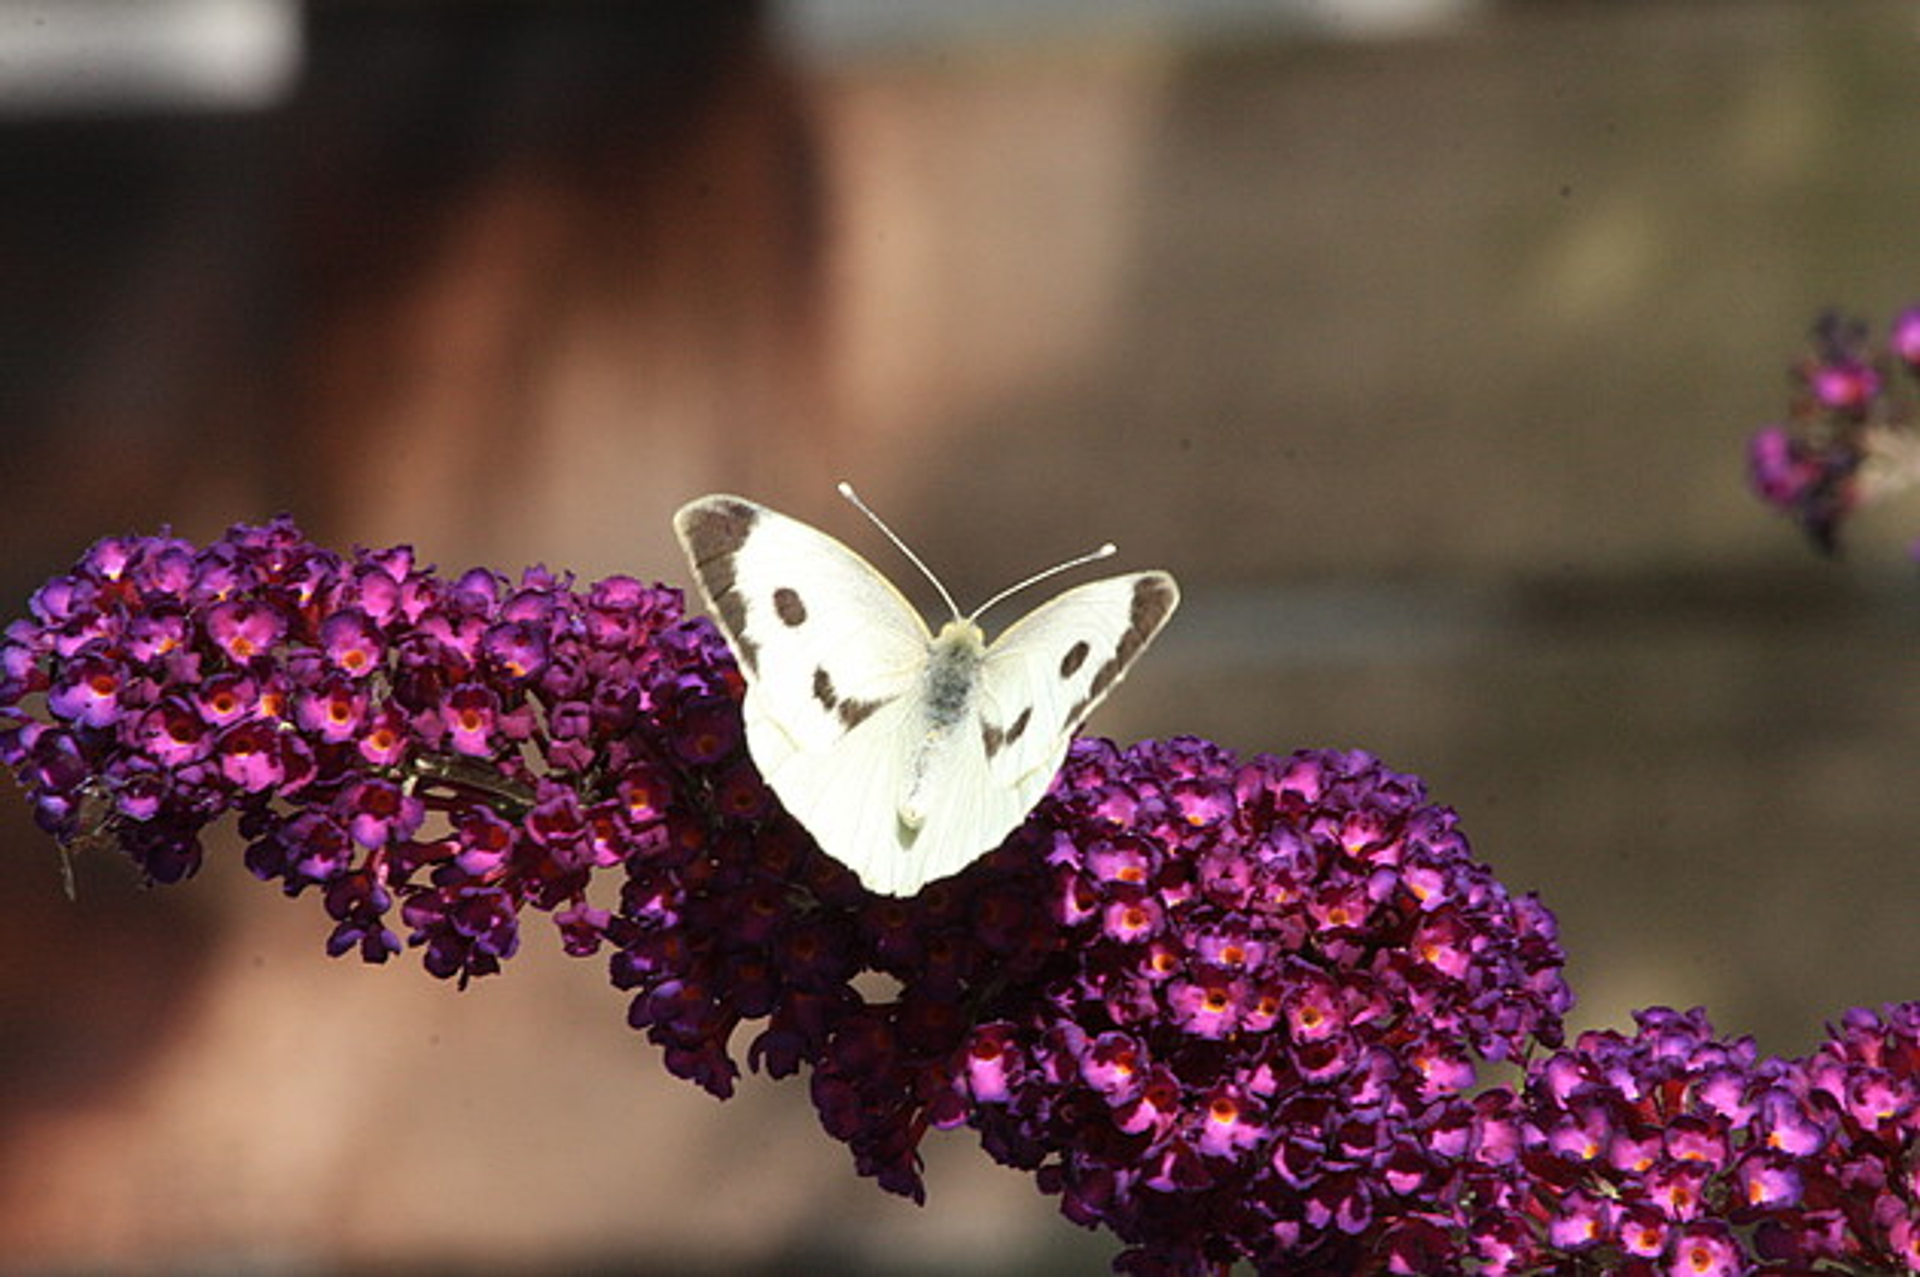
<point x="823" y="639"/>
<point x="1055" y="665"/>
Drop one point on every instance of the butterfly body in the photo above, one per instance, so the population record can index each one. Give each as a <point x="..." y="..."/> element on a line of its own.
<point x="906" y="754"/>
<point x="952" y="678"/>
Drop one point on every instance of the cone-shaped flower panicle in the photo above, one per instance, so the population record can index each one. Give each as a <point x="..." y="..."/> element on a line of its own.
<point x="1232" y="1008"/>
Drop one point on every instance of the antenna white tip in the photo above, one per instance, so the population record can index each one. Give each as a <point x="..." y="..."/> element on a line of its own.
<point x="1103" y="552"/>
<point x="846" y="490"/>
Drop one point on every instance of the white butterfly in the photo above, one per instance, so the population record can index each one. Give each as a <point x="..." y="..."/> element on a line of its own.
<point x="905" y="754"/>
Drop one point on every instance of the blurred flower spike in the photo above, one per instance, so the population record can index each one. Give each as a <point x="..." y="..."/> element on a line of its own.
<point x="1850" y="437"/>
<point x="1233" y="1009"/>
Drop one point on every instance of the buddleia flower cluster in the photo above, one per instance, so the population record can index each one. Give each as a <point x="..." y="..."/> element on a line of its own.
<point x="1672" y="1150"/>
<point x="1849" y="437"/>
<point x="1230" y="1008"/>
<point x="442" y="754"/>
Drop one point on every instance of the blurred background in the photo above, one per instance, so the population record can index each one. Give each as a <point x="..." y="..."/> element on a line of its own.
<point x="1420" y="338"/>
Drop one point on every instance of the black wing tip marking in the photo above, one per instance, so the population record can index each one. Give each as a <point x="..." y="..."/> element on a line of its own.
<point x="1154" y="598"/>
<point x="1155" y="595"/>
<point x="716" y="525"/>
<point x="712" y="530"/>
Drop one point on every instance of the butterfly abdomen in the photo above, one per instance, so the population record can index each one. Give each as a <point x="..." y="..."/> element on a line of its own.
<point x="952" y="680"/>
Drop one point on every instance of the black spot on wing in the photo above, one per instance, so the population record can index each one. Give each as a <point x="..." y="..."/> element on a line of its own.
<point x="1153" y="600"/>
<point x="713" y="532"/>
<point x="851" y="713"/>
<point x="787" y="605"/>
<point x="854" y="713"/>
<point x="996" y="738"/>
<point x="1076" y="657"/>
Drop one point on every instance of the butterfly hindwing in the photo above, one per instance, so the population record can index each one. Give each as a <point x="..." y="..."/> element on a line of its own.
<point x="846" y="794"/>
<point x="966" y="814"/>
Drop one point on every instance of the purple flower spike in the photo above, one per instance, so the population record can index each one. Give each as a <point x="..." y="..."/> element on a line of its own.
<point x="1207" y="1076"/>
<point x="1850" y="437"/>
<point x="337" y="706"/>
<point x="1699" y="1180"/>
<point x="1234" y="1009"/>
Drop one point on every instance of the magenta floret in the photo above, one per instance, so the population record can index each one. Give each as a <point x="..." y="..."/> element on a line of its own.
<point x="1848" y="436"/>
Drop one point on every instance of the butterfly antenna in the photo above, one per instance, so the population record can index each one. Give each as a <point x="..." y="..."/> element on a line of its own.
<point x="846" y="490"/>
<point x="1091" y="556"/>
